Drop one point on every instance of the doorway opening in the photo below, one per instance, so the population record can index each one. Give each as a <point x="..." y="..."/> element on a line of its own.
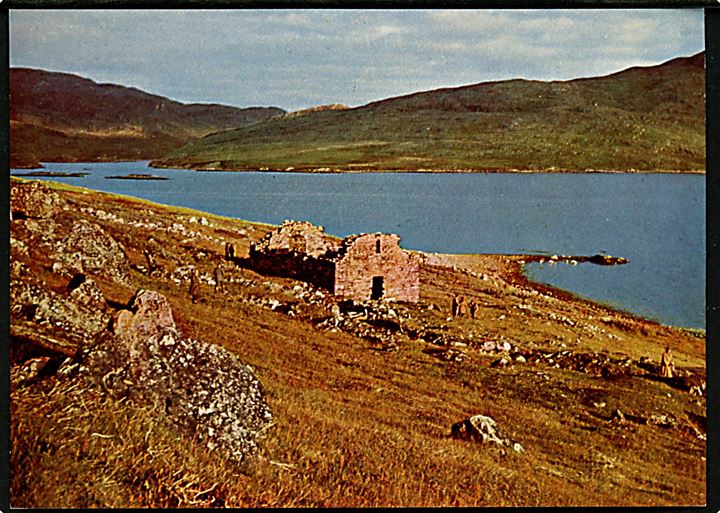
<point x="378" y="287"/>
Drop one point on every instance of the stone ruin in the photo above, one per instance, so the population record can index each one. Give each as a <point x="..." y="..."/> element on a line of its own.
<point x="361" y="267"/>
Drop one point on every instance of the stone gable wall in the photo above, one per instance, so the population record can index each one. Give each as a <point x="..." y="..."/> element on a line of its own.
<point x="360" y="262"/>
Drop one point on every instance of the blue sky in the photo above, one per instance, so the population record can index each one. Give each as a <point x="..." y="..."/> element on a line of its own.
<point x="296" y="59"/>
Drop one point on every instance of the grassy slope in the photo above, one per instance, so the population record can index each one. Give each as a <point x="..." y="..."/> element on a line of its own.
<point x="642" y="118"/>
<point x="63" y="117"/>
<point x="357" y="425"/>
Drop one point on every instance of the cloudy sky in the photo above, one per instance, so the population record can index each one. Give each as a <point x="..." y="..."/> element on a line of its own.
<point x="296" y="59"/>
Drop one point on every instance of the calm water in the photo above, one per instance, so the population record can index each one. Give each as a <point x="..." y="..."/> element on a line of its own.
<point x="656" y="221"/>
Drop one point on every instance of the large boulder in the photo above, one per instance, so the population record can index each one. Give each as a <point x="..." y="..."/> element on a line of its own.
<point x="87" y="248"/>
<point x="59" y="322"/>
<point x="34" y="200"/>
<point x="203" y="389"/>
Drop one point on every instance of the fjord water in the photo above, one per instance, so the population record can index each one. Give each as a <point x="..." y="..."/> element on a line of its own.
<point x="655" y="221"/>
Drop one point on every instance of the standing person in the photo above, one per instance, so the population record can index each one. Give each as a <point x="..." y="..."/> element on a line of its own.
<point x="462" y="307"/>
<point x="454" y="306"/>
<point x="150" y="262"/>
<point x="194" y="286"/>
<point x="666" y="364"/>
<point x="219" y="275"/>
<point x="231" y="251"/>
<point x="473" y="309"/>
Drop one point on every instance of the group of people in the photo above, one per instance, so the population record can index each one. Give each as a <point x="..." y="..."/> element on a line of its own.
<point x="461" y="308"/>
<point x="218" y="275"/>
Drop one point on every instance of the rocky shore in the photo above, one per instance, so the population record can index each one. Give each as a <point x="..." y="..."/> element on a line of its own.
<point x="220" y="166"/>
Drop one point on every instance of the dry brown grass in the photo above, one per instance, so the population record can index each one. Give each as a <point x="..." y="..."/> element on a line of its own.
<point x="358" y="426"/>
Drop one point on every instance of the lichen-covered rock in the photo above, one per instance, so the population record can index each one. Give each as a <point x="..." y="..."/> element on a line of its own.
<point x="201" y="388"/>
<point x="34" y="200"/>
<point x="63" y="322"/>
<point x="483" y="429"/>
<point x="30" y="371"/>
<point x="84" y="291"/>
<point x="87" y="248"/>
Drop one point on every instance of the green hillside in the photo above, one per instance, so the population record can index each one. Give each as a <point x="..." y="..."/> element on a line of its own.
<point x="63" y="117"/>
<point x="643" y="118"/>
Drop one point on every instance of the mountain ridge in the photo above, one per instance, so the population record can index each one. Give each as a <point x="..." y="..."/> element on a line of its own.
<point x="639" y="119"/>
<point x="74" y="107"/>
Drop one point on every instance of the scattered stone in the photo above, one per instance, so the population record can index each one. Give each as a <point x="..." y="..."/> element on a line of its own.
<point x="618" y="417"/>
<point x="489" y="346"/>
<point x="448" y="355"/>
<point x="662" y="420"/>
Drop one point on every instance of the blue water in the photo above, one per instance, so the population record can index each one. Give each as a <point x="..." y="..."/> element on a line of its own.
<point x="655" y="221"/>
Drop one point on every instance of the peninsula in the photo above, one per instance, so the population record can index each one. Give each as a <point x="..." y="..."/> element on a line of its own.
<point x="367" y="398"/>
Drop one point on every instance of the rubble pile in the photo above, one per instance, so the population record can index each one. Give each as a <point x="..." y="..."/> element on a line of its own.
<point x="660" y="420"/>
<point x="146" y="223"/>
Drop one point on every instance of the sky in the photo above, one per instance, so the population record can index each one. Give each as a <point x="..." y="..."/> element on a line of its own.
<point x="295" y="59"/>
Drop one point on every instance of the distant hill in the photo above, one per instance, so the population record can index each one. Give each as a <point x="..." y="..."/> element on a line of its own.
<point x="64" y="117"/>
<point x="643" y="118"/>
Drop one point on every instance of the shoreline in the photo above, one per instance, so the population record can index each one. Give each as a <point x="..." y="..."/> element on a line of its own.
<point x="511" y="265"/>
<point x="363" y="170"/>
<point x="511" y="269"/>
<point x="557" y="373"/>
<point x="335" y="170"/>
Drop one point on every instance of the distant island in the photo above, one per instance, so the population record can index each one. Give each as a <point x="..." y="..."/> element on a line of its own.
<point x="642" y="119"/>
<point x="137" y="176"/>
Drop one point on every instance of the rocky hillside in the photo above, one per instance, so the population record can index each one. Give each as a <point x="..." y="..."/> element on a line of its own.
<point x="645" y="118"/>
<point x="64" y="117"/>
<point x="267" y="391"/>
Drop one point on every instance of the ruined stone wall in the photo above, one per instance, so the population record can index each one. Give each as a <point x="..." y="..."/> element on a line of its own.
<point x="290" y="264"/>
<point x="298" y="236"/>
<point x="359" y="262"/>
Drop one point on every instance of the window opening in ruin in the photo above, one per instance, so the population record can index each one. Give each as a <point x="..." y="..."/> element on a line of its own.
<point x="378" y="288"/>
<point x="377" y="246"/>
